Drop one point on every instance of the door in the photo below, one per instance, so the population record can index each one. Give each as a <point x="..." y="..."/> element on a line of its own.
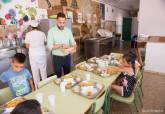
<point x="126" y="29"/>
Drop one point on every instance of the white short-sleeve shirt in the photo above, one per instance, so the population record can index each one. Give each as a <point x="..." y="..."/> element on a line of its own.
<point x="36" y="39"/>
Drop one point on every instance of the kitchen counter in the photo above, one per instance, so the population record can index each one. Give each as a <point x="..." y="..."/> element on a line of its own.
<point x="96" y="47"/>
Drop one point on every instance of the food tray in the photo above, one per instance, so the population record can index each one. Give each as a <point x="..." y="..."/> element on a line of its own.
<point x="69" y="79"/>
<point x="92" y="60"/>
<point x="87" y="66"/>
<point x="9" y="106"/>
<point x="117" y="55"/>
<point x="46" y="111"/>
<point x="88" y="89"/>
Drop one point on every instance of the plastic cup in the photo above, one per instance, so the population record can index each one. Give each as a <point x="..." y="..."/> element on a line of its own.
<point x="62" y="86"/>
<point x="39" y="97"/>
<point x="88" y="77"/>
<point x="51" y="99"/>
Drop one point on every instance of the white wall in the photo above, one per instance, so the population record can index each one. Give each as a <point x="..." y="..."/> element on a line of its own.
<point x="117" y="15"/>
<point x="134" y="26"/>
<point x="152" y="17"/>
<point x="154" y="60"/>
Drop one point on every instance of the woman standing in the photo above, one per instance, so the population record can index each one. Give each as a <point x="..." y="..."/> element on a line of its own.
<point x="35" y="40"/>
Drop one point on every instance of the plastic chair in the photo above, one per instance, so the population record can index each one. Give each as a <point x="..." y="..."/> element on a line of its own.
<point x="139" y="88"/>
<point x="142" y="74"/>
<point x="131" y="100"/>
<point x="5" y="95"/>
<point x="98" y="104"/>
<point x="46" y="81"/>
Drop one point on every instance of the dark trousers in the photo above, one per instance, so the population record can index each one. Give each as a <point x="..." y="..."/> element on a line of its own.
<point x="62" y="63"/>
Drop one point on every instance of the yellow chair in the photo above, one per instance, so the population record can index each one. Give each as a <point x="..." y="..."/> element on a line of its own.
<point x="5" y="95"/>
<point x="98" y="104"/>
<point x="131" y="100"/>
<point x="46" y="81"/>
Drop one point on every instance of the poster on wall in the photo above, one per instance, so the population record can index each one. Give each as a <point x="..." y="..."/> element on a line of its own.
<point x="70" y="15"/>
<point x="89" y="18"/>
<point x="17" y="11"/>
<point x="41" y="14"/>
<point x="80" y="17"/>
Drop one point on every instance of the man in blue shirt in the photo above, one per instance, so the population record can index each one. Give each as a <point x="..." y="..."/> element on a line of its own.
<point x="17" y="77"/>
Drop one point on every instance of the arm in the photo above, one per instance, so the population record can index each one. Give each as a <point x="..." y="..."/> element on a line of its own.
<point x="73" y="49"/>
<point x="29" y="78"/>
<point x="57" y="46"/>
<point x="31" y="84"/>
<point x="2" y="85"/>
<point x="3" y="80"/>
<point x="73" y="45"/>
<point x="116" y="69"/>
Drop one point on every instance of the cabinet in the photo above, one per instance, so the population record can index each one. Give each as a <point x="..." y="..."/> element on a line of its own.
<point x="96" y="47"/>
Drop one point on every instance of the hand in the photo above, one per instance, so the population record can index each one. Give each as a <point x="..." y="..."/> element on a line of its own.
<point x="68" y="50"/>
<point x="64" y="46"/>
<point x="57" y="46"/>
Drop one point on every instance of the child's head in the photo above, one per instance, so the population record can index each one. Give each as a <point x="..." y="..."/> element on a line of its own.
<point x="129" y="60"/>
<point x="28" y="107"/>
<point x="18" y="61"/>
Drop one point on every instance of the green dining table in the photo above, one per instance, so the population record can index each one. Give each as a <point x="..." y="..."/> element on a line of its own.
<point x="69" y="102"/>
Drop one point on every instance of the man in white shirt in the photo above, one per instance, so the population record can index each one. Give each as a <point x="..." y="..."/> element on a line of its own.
<point x="35" y="40"/>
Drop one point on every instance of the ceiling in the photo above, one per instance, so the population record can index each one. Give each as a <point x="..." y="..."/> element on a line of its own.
<point x="124" y="4"/>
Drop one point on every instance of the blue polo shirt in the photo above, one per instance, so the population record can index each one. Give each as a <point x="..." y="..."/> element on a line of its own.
<point x="17" y="81"/>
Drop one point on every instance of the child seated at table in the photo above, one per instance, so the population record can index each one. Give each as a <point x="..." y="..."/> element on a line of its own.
<point x="17" y="77"/>
<point x="28" y="107"/>
<point x="126" y="80"/>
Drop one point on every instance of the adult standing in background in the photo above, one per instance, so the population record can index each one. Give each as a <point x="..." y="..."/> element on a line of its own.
<point x="62" y="44"/>
<point x="35" y="40"/>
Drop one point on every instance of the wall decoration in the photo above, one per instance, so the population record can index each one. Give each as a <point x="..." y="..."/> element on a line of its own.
<point x="14" y="10"/>
<point x="80" y="18"/>
<point x="88" y="18"/>
<point x="94" y="19"/>
<point x="6" y="1"/>
<point x="74" y="4"/>
<point x="41" y="14"/>
<point x="33" y="0"/>
<point x="64" y="2"/>
<point x="70" y="15"/>
<point x="86" y="8"/>
<point x="32" y="12"/>
<point x="49" y="4"/>
<point x="7" y="16"/>
<point x="0" y="6"/>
